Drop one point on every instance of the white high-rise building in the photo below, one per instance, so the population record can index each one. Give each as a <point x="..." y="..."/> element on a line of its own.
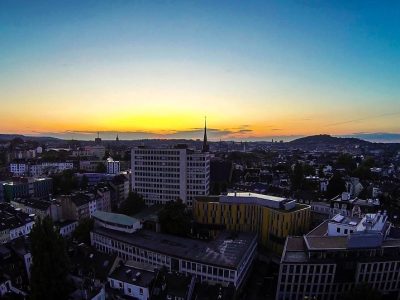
<point x="163" y="175"/>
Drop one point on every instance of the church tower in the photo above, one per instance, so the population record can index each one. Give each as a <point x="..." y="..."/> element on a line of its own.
<point x="206" y="147"/>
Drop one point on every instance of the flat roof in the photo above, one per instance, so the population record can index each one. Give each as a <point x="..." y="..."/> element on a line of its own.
<point x="326" y="242"/>
<point x="227" y="250"/>
<point x="295" y="243"/>
<point x="114" y="218"/>
<point x="256" y="195"/>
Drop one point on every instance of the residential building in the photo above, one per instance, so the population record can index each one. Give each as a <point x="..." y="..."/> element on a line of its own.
<point x="96" y="178"/>
<point x="14" y="275"/>
<point x="173" y="285"/>
<point x="89" y="165"/>
<point x="163" y="175"/>
<point x="39" y="169"/>
<point x="88" y="271"/>
<point x="90" y="151"/>
<point x="354" y="186"/>
<point x="119" y="189"/>
<point x="28" y="187"/>
<point x="14" y="223"/>
<point x="339" y="254"/>
<point x="273" y="218"/>
<point x="66" y="227"/>
<point x="345" y="205"/>
<point x="113" y="166"/>
<point x="77" y="206"/>
<point x="132" y="281"/>
<point x="103" y="197"/>
<point x="39" y="208"/>
<point x="19" y="169"/>
<point x="56" y="167"/>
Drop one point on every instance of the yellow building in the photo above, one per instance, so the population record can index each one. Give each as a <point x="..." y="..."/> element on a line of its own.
<point x="274" y="218"/>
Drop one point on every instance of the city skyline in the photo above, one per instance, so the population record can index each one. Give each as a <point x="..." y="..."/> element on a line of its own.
<point x="153" y="70"/>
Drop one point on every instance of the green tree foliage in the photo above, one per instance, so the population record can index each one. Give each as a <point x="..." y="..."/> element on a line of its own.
<point x="363" y="171"/>
<point x="101" y="168"/>
<point x="49" y="263"/>
<point x="347" y="162"/>
<point x="363" y="291"/>
<point x="174" y="218"/>
<point x="84" y="182"/>
<point x="53" y="155"/>
<point x="297" y="176"/>
<point x="133" y="204"/>
<point x="82" y="231"/>
<point x="3" y="158"/>
<point x="65" y="182"/>
<point x="336" y="186"/>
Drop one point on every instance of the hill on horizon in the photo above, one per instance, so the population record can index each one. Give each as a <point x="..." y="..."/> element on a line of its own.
<point x="328" y="139"/>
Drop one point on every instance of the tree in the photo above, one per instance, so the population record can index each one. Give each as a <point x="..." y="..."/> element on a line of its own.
<point x="82" y="231"/>
<point x="101" y="168"/>
<point x="336" y="186"/>
<point x="65" y="182"/>
<point x="297" y="177"/>
<point x="347" y="162"/>
<point x="174" y="218"/>
<point x="84" y="182"/>
<point x="363" y="291"/>
<point x="49" y="262"/>
<point x="133" y="204"/>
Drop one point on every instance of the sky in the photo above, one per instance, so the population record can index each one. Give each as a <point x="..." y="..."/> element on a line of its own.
<point x="154" y="69"/>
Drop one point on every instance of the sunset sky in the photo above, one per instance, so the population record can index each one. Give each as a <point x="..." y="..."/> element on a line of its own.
<point x="256" y="69"/>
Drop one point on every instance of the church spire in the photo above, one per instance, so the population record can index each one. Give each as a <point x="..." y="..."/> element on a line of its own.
<point x="206" y="147"/>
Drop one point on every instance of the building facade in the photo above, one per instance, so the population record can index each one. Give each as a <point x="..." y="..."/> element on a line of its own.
<point x="34" y="169"/>
<point x="14" y="223"/>
<point x="113" y="166"/>
<point x="38" y="208"/>
<point x="163" y="175"/>
<point x="338" y="255"/>
<point x="28" y="187"/>
<point x="273" y="218"/>
<point x="225" y="260"/>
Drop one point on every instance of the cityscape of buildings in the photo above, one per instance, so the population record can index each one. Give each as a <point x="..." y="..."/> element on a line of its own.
<point x="199" y="150"/>
<point x="264" y="220"/>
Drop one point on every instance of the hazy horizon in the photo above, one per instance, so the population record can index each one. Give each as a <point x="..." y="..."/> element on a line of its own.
<point x="110" y="136"/>
<point x="257" y="70"/>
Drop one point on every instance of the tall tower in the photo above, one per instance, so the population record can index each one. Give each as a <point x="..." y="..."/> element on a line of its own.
<point x="98" y="139"/>
<point x="206" y="147"/>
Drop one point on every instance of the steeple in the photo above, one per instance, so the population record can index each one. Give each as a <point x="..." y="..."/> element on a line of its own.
<point x="98" y="139"/>
<point x="117" y="139"/>
<point x="206" y="147"/>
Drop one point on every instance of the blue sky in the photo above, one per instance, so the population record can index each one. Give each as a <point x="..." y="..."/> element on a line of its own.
<point x="157" y="67"/>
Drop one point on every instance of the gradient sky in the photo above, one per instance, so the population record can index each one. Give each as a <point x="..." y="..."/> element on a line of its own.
<point x="155" y="68"/>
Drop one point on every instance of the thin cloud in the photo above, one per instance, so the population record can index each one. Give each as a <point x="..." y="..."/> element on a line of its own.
<point x="363" y="119"/>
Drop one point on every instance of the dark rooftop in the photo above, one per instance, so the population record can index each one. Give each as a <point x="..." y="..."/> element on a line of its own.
<point x="133" y="275"/>
<point x="227" y="250"/>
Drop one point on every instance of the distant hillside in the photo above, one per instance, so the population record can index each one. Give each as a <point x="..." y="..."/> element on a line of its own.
<point x="325" y="139"/>
<point x="9" y="137"/>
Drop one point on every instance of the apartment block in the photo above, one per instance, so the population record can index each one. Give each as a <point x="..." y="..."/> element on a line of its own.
<point x="163" y="175"/>
<point x="339" y="254"/>
<point x="28" y="187"/>
<point x="14" y="223"/>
